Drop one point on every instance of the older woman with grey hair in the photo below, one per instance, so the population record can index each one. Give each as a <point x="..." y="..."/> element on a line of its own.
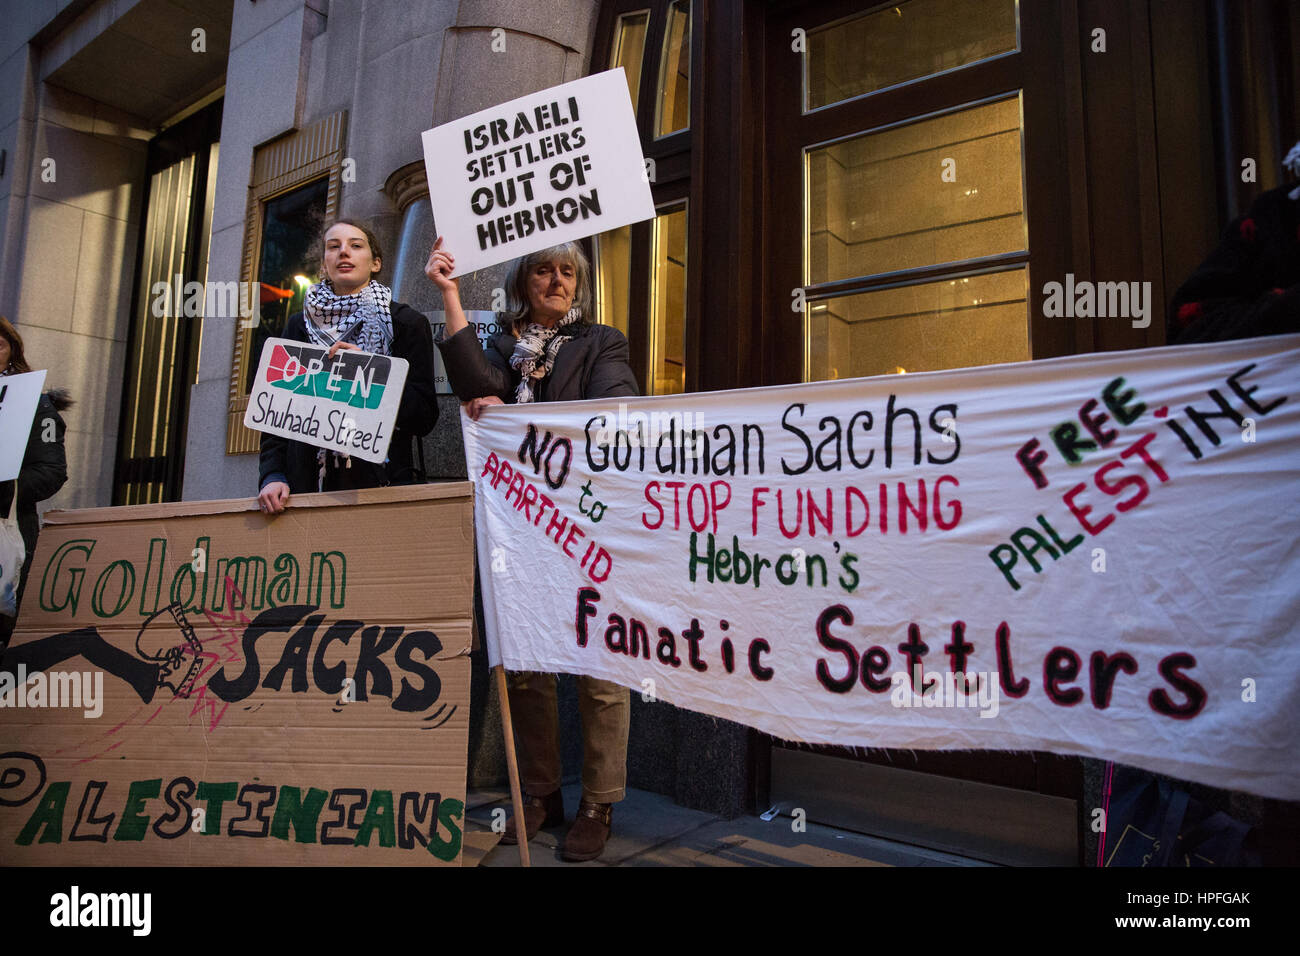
<point x="553" y="352"/>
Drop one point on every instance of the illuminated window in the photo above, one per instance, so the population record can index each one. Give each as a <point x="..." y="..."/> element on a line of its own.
<point x="629" y="49"/>
<point x="668" y="302"/>
<point x="641" y="269"/>
<point x="893" y="45"/>
<point x="879" y="206"/>
<point x="673" y="108"/>
<point x="878" y="202"/>
<point x="613" y="274"/>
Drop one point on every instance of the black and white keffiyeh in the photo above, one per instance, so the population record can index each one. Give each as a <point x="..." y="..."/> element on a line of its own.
<point x="535" y="352"/>
<point x="1292" y="162"/>
<point x="364" y="319"/>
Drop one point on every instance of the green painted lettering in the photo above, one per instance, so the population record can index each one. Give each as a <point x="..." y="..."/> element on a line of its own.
<point x="216" y="794"/>
<point x="48" y="814"/>
<point x="60" y="589"/>
<point x="153" y="575"/>
<point x="291" y="810"/>
<point x="283" y="588"/>
<point x="379" y="816"/>
<point x="449" y="811"/>
<point x="134" y="822"/>
<point x="697" y="558"/>
<point x="320" y="562"/>
<point x="103" y="586"/>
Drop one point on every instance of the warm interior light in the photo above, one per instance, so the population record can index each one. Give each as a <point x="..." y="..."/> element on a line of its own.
<point x="899" y="370"/>
<point x="302" y="280"/>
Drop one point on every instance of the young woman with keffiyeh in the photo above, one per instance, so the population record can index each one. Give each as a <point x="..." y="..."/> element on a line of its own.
<point x="349" y="309"/>
<point x="554" y="352"/>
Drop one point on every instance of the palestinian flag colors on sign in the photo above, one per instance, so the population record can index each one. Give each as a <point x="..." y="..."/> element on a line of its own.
<point x="355" y="379"/>
<point x="347" y="403"/>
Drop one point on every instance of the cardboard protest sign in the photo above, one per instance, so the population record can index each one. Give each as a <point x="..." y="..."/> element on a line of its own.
<point x="346" y="404"/>
<point x="200" y="684"/>
<point x="1090" y="555"/>
<point x="19" y="395"/>
<point x="543" y="169"/>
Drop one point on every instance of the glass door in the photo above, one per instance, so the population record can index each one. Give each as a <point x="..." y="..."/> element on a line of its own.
<point x="170" y="301"/>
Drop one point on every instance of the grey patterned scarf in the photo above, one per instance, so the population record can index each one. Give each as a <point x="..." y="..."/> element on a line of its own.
<point x="535" y="352"/>
<point x="365" y="318"/>
<point x="1292" y="162"/>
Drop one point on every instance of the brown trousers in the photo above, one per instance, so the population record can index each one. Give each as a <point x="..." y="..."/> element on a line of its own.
<point x="605" y="709"/>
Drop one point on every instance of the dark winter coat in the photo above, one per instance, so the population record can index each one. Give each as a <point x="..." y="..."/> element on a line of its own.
<point x="1250" y="284"/>
<point x="416" y="416"/>
<point x="592" y="364"/>
<point x="44" y="469"/>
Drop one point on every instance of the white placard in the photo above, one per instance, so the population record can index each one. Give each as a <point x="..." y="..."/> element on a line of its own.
<point x="1106" y="543"/>
<point x="551" y="167"/>
<point x="346" y="404"/>
<point x="485" y="326"/>
<point x="19" y="395"/>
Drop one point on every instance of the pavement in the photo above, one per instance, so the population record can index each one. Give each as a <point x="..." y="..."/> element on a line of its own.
<point x="650" y="830"/>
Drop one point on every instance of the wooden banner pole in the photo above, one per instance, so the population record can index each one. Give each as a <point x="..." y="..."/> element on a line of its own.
<point x="512" y="766"/>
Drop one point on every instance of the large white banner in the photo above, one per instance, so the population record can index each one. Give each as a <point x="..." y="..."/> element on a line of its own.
<point x="19" y="396"/>
<point x="543" y="169"/>
<point x="1095" y="555"/>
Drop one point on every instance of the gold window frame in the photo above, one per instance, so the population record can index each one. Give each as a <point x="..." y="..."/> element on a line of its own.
<point x="285" y="164"/>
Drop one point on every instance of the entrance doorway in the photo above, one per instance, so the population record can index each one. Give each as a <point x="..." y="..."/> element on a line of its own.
<point x="163" y="348"/>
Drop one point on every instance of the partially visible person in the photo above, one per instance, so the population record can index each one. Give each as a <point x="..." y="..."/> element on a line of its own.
<point x="350" y="309"/>
<point x="44" y="468"/>
<point x="1250" y="284"/>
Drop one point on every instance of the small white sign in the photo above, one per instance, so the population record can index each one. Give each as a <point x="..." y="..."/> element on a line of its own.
<point x="485" y="326"/>
<point x="19" y="395"/>
<point x="346" y="404"/>
<point x="551" y="167"/>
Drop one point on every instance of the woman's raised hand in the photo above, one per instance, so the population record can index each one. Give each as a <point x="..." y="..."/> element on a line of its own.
<point x="439" y="268"/>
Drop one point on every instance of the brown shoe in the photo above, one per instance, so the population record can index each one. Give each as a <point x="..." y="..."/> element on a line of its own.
<point x="539" y="812"/>
<point x="587" y="836"/>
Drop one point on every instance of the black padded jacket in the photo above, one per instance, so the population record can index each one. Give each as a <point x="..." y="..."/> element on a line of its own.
<point x="592" y="364"/>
